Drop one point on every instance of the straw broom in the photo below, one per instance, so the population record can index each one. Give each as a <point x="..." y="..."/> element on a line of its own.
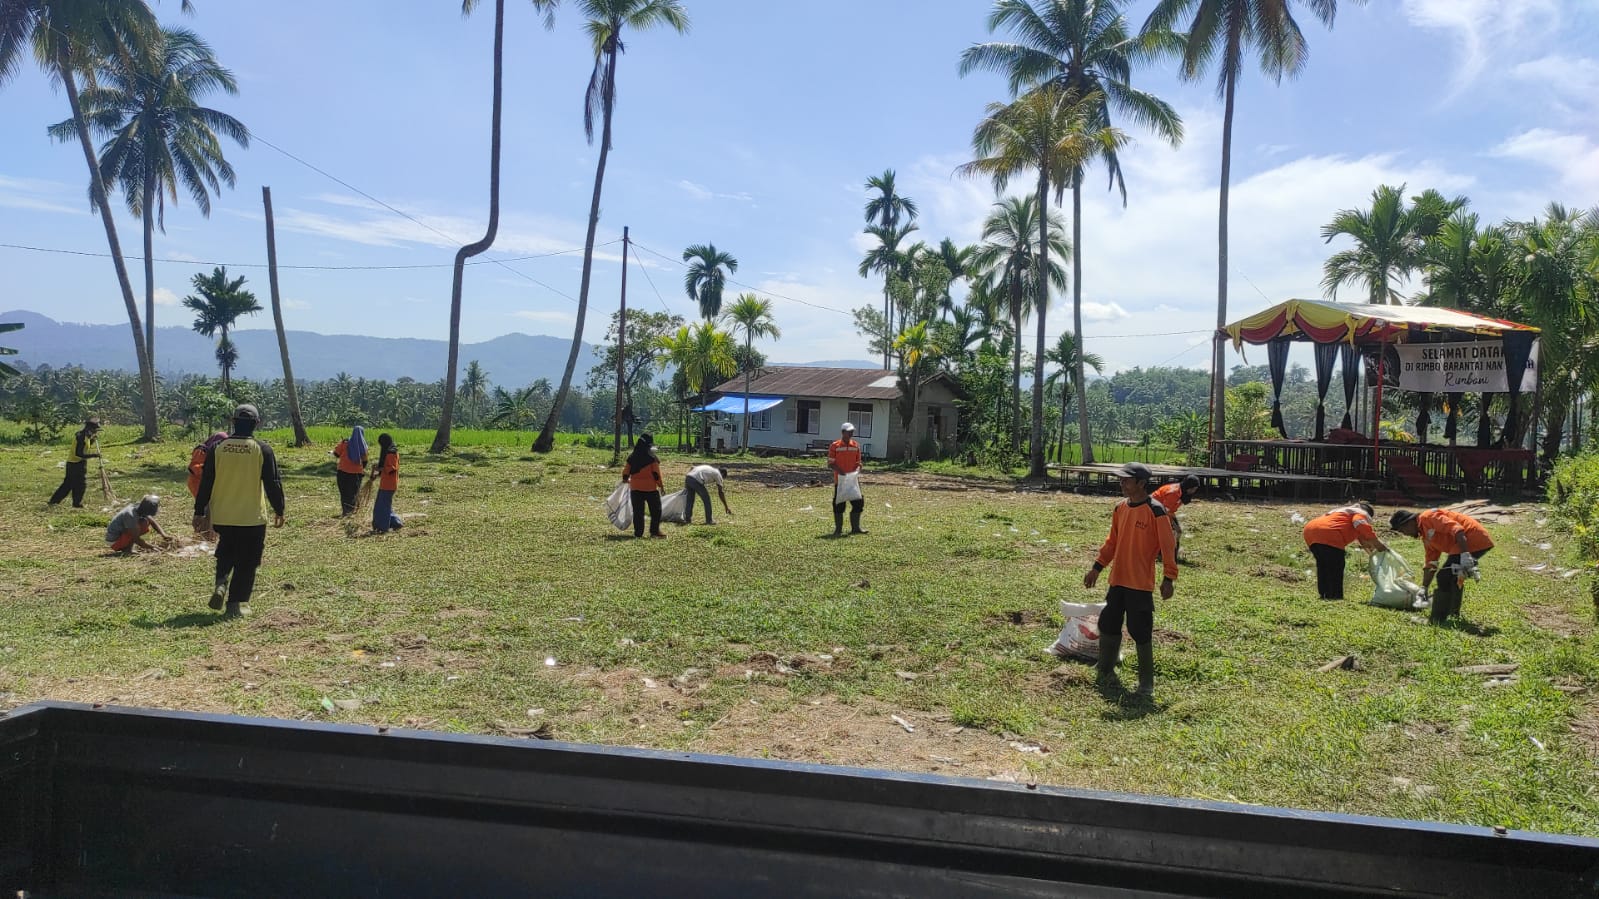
<point x="105" y="484"/>
<point x="363" y="497"/>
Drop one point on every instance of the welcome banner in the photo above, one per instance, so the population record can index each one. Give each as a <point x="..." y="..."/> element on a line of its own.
<point x="1474" y="367"/>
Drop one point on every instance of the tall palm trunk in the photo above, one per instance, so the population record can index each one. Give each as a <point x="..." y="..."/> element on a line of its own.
<point x="1065" y="401"/>
<point x="149" y="266"/>
<point x="1218" y="375"/>
<point x="152" y="430"/>
<point x="546" y="438"/>
<point x="301" y="438"/>
<point x="1016" y="378"/>
<point x="1080" y="383"/>
<point x="888" y="324"/>
<point x="1035" y="444"/>
<point x="748" y="340"/>
<point x="441" y="437"/>
<point x="222" y="347"/>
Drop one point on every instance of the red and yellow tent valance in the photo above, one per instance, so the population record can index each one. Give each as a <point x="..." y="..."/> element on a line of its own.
<point x="1323" y="321"/>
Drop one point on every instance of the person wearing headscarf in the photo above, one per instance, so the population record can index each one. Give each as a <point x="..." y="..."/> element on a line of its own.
<point x="197" y="459"/>
<point x="387" y="473"/>
<point x="643" y="476"/>
<point x="351" y="453"/>
<point x="85" y="446"/>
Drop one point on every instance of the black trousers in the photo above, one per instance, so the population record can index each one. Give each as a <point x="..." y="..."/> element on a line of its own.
<point x="239" y="550"/>
<point x="1446" y="599"/>
<point x="349" y="487"/>
<point x="856" y="506"/>
<point x="75" y="482"/>
<point x="1329" y="570"/>
<point x="1137" y="607"/>
<point x="696" y="488"/>
<point x="642" y="498"/>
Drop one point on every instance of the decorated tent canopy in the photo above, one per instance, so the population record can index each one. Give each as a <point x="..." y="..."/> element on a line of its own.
<point x="1465" y="352"/>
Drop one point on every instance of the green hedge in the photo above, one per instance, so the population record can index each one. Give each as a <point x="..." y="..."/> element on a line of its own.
<point x="1574" y="497"/>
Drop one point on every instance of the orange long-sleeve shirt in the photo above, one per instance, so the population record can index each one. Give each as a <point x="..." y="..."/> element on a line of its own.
<point x="1170" y="496"/>
<point x="845" y="456"/>
<point x="1339" y="528"/>
<point x="1137" y="534"/>
<point x="196" y="466"/>
<point x="645" y="479"/>
<point x="389" y="473"/>
<point x="1439" y="530"/>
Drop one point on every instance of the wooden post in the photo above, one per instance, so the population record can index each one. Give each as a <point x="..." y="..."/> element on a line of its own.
<point x="301" y="438"/>
<point x="1376" y="412"/>
<point x="621" y="355"/>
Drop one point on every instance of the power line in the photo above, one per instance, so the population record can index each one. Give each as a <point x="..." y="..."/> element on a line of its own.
<point x="317" y="268"/>
<point x="646" y="270"/>
<point x="773" y="293"/>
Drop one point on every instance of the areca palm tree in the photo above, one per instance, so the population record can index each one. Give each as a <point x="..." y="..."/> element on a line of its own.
<point x="754" y="315"/>
<point x="1054" y="133"/>
<point x="1221" y="32"/>
<point x="1390" y="241"/>
<point x="706" y="277"/>
<point x="1008" y="259"/>
<point x="606" y="20"/>
<point x="441" y="437"/>
<point x="884" y="210"/>
<point x="699" y="352"/>
<point x="920" y="350"/>
<point x="958" y="260"/>
<point x="70" y="38"/>
<point x="1069" y="359"/>
<point x="1085" y="47"/>
<point x="217" y="308"/>
<point x="159" y="137"/>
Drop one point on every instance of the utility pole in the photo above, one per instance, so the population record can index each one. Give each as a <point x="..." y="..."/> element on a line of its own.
<point x="300" y="436"/>
<point x="621" y="355"/>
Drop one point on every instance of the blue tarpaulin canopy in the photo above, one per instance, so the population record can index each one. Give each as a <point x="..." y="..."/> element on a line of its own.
<point x="734" y="403"/>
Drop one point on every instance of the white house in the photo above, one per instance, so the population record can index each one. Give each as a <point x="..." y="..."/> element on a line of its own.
<point x="795" y="408"/>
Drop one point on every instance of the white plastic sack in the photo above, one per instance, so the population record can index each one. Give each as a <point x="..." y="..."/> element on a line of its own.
<point x="849" y="487"/>
<point x="1391" y="583"/>
<point x="619" y="507"/>
<point x="674" y="507"/>
<point x="1079" y="638"/>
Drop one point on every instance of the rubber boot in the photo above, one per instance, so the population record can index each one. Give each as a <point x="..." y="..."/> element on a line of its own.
<point x="1146" y="668"/>
<point x="855" y="521"/>
<point x="1110" y="650"/>
<point x="218" y="593"/>
<point x="235" y="610"/>
<point x="1444" y="602"/>
<point x="838" y="522"/>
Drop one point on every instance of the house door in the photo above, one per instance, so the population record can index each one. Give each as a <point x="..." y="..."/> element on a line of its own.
<point x="810" y="417"/>
<point x="935" y="424"/>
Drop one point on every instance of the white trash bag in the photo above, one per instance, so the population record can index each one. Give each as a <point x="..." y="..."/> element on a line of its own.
<point x="1079" y="638"/>
<point x="674" y="507"/>
<point x="849" y="488"/>
<point x="1392" y="587"/>
<point x="619" y="507"/>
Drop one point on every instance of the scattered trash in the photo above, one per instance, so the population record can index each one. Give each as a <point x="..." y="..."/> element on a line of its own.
<point x="945" y="759"/>
<point x="549" y="661"/>
<point x="1536" y="742"/>
<point x="888" y="505"/>
<point x="573" y="618"/>
<point x="386" y="665"/>
<point x="907" y="675"/>
<point x="1546" y="546"/>
<point x="1568" y="573"/>
<point x="357" y="653"/>
<point x="1295" y="518"/>
<point x="651" y="683"/>
<point x="1488" y="669"/>
<point x="1028" y="747"/>
<point x="327" y="704"/>
<point x="1501" y="681"/>
<point x="534" y="713"/>
<point x="627" y="641"/>
<point x="347" y="705"/>
<point x="1541" y="566"/>
<point x="808" y="509"/>
<point x="452" y="677"/>
<point x="909" y="728"/>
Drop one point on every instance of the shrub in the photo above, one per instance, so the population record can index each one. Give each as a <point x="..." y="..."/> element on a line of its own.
<point x="1574" y="496"/>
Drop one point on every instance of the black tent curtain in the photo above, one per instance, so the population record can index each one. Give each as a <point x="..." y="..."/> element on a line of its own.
<point x="1485" y="422"/>
<point x="1452" y="423"/>
<point x="1424" y="418"/>
<point x="1277" y="361"/>
<point x="1518" y="348"/>
<point x="1351" y="363"/>
<point x="1325" y="354"/>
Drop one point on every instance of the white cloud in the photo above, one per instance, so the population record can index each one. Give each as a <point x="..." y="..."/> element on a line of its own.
<point x="296" y="304"/>
<point x="1484" y="29"/>
<point x="1574" y="77"/>
<point x="1573" y="157"/>
<point x="165" y="297"/>
<point x="1104" y="312"/>
<point x="37" y="195"/>
<point x="701" y="192"/>
<point x="862" y="243"/>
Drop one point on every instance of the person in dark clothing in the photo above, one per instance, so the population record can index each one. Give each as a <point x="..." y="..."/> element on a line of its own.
<point x="1329" y="536"/>
<point x="643" y="476"/>
<point x="237" y="472"/>
<point x="387" y="474"/>
<point x="352" y="459"/>
<point x="85" y="446"/>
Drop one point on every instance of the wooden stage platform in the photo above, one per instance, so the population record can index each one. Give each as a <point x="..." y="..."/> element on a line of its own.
<point x="1261" y="484"/>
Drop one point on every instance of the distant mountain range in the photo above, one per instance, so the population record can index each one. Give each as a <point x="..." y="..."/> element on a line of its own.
<point x="510" y="360"/>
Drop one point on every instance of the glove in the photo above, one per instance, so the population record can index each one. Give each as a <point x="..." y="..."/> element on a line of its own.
<point x="1467" y="567"/>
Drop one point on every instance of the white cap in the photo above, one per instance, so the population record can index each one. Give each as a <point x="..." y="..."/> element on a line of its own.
<point x="849" y="427"/>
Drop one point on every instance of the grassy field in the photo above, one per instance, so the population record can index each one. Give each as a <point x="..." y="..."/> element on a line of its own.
<point x="508" y="605"/>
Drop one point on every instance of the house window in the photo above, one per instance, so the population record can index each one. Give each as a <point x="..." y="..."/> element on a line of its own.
<point x="810" y="417"/>
<point x="761" y="421"/>
<point x="860" y="414"/>
<point x="935" y="423"/>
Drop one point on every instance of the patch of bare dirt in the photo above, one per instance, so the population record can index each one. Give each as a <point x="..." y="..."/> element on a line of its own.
<point x="1019" y="618"/>
<point x="781" y="476"/>
<point x="1585" y="727"/>
<point x="1557" y="620"/>
<point x="1280" y="572"/>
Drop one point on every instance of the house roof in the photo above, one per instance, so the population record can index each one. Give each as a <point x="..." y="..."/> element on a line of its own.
<point x="798" y="380"/>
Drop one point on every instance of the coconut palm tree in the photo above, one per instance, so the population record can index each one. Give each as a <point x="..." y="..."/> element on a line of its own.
<point x="475" y="388"/>
<point x="1069" y="359"/>
<point x="754" y="315"/>
<point x="1390" y="241"/>
<point x="706" y="277"/>
<point x="441" y="437"/>
<point x="884" y="210"/>
<point x="1008" y="261"/>
<point x="1054" y="133"/>
<point x="1223" y="31"/>
<point x="606" y="20"/>
<point x="217" y="308"/>
<point x="159" y="137"/>
<point x="70" y="38"/>
<point x="1082" y="46"/>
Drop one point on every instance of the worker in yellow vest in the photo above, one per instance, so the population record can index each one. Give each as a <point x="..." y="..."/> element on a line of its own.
<point x="236" y="473"/>
<point x="85" y="446"/>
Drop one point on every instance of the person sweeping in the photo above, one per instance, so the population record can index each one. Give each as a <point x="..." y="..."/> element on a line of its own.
<point x="387" y="474"/>
<point x="642" y="472"/>
<point x="1139" y="533"/>
<point x="237" y="472"/>
<point x="85" y="446"/>
<point x="352" y="455"/>
<point x="1328" y="538"/>
<point x="1445" y="533"/>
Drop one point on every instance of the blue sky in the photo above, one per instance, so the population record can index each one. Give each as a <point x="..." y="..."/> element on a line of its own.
<point x="756" y="131"/>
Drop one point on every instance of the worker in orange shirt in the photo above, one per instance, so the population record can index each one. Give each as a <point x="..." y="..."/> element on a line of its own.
<point x="1328" y="538"/>
<point x="1445" y="533"/>
<point x="351" y="453"/>
<point x="844" y="457"/>
<point x="1174" y="496"/>
<point x="387" y="474"/>
<point x="1139" y="533"/>
<point x="642" y="472"/>
<point x="197" y="459"/>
